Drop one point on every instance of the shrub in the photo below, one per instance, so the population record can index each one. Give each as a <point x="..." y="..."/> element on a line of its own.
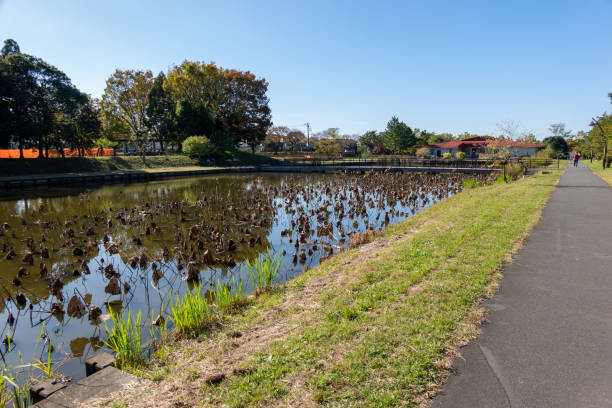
<point x="197" y="146"/>
<point x="460" y="155"/>
<point x="423" y="152"/>
<point x="546" y="153"/>
<point x="447" y="156"/>
<point x="514" y="170"/>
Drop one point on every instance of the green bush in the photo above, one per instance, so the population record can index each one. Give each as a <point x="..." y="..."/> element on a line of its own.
<point x="460" y="155"/>
<point x="546" y="153"/>
<point x="197" y="146"/>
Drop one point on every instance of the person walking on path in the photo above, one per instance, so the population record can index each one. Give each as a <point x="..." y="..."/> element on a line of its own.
<point x="576" y="157"/>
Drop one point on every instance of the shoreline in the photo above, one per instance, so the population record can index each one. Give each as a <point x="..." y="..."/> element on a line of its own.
<point x="138" y="175"/>
<point x="316" y="325"/>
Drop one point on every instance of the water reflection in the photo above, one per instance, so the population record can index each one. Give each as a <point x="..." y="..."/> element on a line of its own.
<point x="70" y="256"/>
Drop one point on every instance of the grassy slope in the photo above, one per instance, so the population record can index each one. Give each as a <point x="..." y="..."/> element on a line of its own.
<point x="383" y="323"/>
<point x="596" y="167"/>
<point x="17" y="167"/>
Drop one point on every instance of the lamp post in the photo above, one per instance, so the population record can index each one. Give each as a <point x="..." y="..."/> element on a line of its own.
<point x="595" y="122"/>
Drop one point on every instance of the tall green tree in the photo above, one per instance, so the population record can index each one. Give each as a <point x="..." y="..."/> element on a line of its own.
<point x="161" y="112"/>
<point x="33" y="95"/>
<point x="398" y="136"/>
<point x="369" y="140"/>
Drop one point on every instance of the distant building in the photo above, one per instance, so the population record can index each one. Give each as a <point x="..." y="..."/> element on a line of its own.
<point x="473" y="147"/>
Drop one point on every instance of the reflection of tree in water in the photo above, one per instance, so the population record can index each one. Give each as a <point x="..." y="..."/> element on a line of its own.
<point x="132" y="245"/>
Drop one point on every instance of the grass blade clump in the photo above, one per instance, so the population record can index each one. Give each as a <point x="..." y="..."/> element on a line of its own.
<point x="125" y="340"/>
<point x="263" y="271"/>
<point x="191" y="313"/>
<point x="229" y="298"/>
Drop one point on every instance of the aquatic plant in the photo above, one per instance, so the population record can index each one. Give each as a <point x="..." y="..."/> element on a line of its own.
<point x="470" y="183"/>
<point x="229" y="298"/>
<point x="264" y="270"/>
<point x="191" y="313"/>
<point x="125" y="340"/>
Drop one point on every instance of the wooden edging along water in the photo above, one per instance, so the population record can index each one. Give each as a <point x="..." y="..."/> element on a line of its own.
<point x="94" y="178"/>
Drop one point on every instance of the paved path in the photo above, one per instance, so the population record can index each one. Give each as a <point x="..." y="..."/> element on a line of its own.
<point x="548" y="337"/>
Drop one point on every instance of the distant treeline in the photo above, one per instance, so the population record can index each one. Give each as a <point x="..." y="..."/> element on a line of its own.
<point x="40" y="107"/>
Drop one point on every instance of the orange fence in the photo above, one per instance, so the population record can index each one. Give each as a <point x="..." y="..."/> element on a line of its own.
<point x="33" y="153"/>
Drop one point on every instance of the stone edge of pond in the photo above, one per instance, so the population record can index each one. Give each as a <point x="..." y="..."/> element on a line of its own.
<point x="104" y="177"/>
<point x="99" y="384"/>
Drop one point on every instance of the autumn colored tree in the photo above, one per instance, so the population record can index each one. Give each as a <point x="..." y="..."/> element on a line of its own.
<point x="294" y="139"/>
<point x="124" y="103"/>
<point x="198" y="83"/>
<point x="328" y="147"/>
<point x="276" y="138"/>
<point x="244" y="113"/>
<point x="235" y="99"/>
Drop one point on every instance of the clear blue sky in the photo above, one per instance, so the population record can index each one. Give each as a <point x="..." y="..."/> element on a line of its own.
<point x="445" y="66"/>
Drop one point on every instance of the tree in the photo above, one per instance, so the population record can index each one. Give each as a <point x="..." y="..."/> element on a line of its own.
<point x="198" y="83"/>
<point x="328" y="147"/>
<point x="10" y="48"/>
<point x="161" y="111"/>
<point x="34" y="96"/>
<point x="439" y="138"/>
<point x="369" y="140"/>
<point x="558" y="129"/>
<point x="276" y="138"/>
<point x="236" y="99"/>
<point x="558" y="144"/>
<point x="195" y="120"/>
<point x="398" y="136"/>
<point x="125" y="102"/>
<point x="244" y="113"/>
<point x="295" y="138"/>
<point x="599" y="134"/>
<point x="528" y="138"/>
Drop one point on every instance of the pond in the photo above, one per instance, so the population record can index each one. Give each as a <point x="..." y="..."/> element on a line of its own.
<point x="70" y="256"/>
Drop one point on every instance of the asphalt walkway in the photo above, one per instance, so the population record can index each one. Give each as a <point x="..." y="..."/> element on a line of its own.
<point x="547" y="341"/>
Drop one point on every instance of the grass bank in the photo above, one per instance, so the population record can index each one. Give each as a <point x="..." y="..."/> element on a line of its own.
<point x="376" y="326"/>
<point x="20" y="167"/>
<point x="596" y="166"/>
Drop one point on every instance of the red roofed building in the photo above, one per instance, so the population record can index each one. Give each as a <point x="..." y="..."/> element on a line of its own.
<point x="477" y="145"/>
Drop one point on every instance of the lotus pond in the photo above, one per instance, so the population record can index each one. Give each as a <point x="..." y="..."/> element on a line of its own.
<point x="71" y="257"/>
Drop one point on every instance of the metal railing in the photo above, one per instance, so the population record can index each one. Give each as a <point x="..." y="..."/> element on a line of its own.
<point x="391" y="161"/>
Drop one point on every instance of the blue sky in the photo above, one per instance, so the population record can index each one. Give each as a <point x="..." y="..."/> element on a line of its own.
<point x="444" y="66"/>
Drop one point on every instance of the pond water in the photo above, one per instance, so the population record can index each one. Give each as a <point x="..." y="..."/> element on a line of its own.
<point x="120" y="246"/>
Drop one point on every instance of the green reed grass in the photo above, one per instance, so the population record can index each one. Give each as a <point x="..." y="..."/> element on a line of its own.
<point x="125" y="340"/>
<point x="264" y="270"/>
<point x="229" y="298"/>
<point x="191" y="313"/>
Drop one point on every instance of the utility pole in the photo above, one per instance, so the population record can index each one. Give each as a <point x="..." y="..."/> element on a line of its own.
<point x="307" y="136"/>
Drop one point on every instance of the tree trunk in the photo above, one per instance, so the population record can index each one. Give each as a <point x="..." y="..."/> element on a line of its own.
<point x="605" y="154"/>
<point x="20" y="150"/>
<point x="40" y="151"/>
